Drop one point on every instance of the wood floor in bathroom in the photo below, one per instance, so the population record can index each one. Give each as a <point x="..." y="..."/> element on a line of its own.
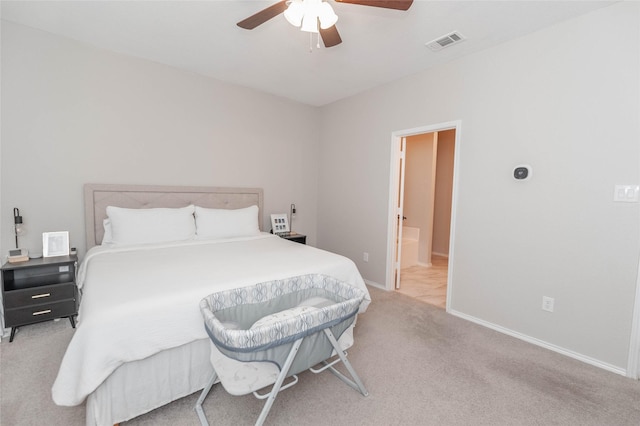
<point x="428" y="284"/>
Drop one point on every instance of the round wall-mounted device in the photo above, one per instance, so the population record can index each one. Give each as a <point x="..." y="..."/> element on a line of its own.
<point x="522" y="172"/>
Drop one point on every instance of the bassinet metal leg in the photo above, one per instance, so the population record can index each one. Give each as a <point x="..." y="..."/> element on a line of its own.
<point x="203" y="395"/>
<point x="356" y="383"/>
<point x="276" y="386"/>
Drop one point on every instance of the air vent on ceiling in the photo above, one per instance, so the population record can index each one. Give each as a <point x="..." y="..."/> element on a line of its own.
<point x="445" y="41"/>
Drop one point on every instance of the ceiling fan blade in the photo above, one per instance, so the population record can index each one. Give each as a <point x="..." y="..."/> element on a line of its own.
<point x="263" y="16"/>
<point x="330" y="36"/>
<point x="387" y="4"/>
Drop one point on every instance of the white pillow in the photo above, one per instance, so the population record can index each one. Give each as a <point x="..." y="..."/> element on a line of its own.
<point x="107" y="238"/>
<point x="222" y="223"/>
<point x="146" y="226"/>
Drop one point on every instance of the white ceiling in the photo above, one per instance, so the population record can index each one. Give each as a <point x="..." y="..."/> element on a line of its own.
<point x="379" y="45"/>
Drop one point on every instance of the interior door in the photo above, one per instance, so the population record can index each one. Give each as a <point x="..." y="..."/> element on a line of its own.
<point x="399" y="212"/>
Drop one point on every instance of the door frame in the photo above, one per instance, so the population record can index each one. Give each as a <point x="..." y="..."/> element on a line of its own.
<point x="394" y="190"/>
<point x="401" y="161"/>
<point x="633" y="359"/>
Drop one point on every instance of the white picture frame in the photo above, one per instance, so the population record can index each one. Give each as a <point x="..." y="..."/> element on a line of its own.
<point x="279" y="223"/>
<point x="55" y="244"/>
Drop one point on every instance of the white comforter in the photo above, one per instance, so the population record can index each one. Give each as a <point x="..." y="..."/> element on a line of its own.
<point x="137" y="301"/>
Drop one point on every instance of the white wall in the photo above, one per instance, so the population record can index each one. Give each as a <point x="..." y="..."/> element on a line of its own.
<point x="2" y="228"/>
<point x="566" y="101"/>
<point x="74" y="114"/>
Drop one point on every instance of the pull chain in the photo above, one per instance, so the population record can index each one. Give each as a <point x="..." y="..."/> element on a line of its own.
<point x="311" y="42"/>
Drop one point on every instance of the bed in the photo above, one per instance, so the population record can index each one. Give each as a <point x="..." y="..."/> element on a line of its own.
<point x="140" y="342"/>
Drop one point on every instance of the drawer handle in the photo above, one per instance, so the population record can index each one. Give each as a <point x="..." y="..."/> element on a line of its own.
<point x="47" y="311"/>
<point x="39" y="296"/>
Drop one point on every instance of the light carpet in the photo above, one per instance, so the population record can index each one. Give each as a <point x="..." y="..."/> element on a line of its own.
<point x="420" y="365"/>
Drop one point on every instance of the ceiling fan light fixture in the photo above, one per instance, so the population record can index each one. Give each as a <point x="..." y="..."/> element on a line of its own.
<point x="327" y="16"/>
<point x="309" y="23"/>
<point x="295" y="13"/>
<point x="306" y="14"/>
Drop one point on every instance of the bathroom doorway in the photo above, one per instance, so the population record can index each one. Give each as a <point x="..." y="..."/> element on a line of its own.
<point x="428" y="187"/>
<point x="422" y="209"/>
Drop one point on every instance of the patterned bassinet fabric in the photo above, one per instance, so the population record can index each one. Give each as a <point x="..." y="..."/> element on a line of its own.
<point x="293" y="324"/>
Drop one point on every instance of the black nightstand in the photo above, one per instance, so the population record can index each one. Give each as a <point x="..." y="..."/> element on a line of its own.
<point x="39" y="290"/>
<point x="298" y="238"/>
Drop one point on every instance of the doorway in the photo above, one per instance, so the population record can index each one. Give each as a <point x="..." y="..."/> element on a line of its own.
<point x="422" y="211"/>
<point x="428" y="185"/>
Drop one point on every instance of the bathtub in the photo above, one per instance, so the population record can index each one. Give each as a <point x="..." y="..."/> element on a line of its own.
<point x="410" y="239"/>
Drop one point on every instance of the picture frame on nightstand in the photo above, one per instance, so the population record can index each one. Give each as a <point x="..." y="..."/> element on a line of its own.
<point x="55" y="244"/>
<point x="280" y="223"/>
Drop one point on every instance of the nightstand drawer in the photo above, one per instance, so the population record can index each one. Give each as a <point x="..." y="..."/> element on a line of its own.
<point x="39" y="295"/>
<point x="37" y="313"/>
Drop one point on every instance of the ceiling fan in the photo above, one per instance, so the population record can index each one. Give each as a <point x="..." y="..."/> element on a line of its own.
<point x="321" y="21"/>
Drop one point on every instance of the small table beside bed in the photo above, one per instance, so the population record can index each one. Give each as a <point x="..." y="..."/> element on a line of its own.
<point x="154" y="252"/>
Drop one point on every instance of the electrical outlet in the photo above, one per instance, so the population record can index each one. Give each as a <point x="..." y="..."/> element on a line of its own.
<point x="365" y="256"/>
<point x="626" y="193"/>
<point x="547" y="303"/>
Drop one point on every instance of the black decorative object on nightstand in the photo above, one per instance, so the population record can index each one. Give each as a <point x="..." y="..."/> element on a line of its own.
<point x="298" y="238"/>
<point x="39" y="290"/>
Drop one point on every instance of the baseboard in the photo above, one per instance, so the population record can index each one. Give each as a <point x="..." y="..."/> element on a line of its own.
<point x="375" y="284"/>
<point x="426" y="265"/>
<point x="542" y="343"/>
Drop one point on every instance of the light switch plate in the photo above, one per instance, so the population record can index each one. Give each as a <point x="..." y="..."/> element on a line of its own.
<point x="626" y="193"/>
<point x="547" y="303"/>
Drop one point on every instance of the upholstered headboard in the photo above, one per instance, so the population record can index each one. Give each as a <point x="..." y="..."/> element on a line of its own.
<point x="98" y="196"/>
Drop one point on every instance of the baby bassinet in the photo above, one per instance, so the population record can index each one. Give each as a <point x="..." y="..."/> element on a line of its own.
<point x="267" y="332"/>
